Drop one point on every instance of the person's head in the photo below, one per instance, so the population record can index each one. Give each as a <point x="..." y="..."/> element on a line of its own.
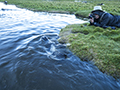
<point x="97" y="12"/>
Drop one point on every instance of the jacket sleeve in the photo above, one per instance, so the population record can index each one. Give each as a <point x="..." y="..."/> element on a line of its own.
<point x="97" y="24"/>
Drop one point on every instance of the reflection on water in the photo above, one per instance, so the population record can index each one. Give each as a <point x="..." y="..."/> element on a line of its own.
<point x="32" y="59"/>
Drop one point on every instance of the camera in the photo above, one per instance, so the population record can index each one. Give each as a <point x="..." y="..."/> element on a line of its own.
<point x="91" y="16"/>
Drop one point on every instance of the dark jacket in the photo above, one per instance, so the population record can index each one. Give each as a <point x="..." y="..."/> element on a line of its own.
<point x="106" y="19"/>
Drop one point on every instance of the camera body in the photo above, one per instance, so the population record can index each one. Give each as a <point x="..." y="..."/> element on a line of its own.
<point x="91" y="16"/>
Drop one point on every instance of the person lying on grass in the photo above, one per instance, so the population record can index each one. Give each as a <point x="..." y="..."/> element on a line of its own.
<point x="103" y="19"/>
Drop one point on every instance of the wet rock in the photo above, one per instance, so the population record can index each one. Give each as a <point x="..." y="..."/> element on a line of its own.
<point x="100" y="4"/>
<point x="5" y="2"/>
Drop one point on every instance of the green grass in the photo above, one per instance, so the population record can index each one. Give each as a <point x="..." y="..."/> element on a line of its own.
<point x="94" y="43"/>
<point x="41" y="5"/>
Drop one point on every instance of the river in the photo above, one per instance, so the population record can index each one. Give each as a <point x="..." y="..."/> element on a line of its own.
<point x="31" y="58"/>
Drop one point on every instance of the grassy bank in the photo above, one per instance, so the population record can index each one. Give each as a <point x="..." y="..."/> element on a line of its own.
<point x="51" y="6"/>
<point x="88" y="42"/>
<point x="81" y="9"/>
<point x="94" y="43"/>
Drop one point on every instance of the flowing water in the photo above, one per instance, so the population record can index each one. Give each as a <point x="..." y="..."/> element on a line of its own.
<point x="32" y="59"/>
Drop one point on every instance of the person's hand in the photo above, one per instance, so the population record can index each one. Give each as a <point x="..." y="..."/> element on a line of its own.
<point x="92" y="20"/>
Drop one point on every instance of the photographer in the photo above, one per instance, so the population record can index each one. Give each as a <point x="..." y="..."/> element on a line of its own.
<point x="103" y="19"/>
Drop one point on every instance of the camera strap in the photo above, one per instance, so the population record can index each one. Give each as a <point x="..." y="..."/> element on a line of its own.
<point x="102" y="16"/>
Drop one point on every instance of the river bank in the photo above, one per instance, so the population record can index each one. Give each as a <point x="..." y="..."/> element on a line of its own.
<point x="88" y="43"/>
<point x="102" y="46"/>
